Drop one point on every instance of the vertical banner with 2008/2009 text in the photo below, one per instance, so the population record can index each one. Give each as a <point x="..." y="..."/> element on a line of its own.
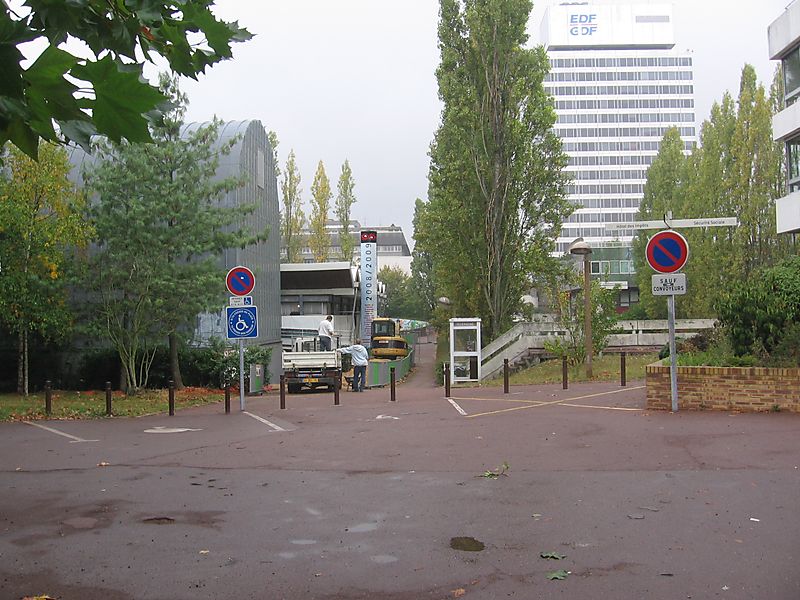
<point x="369" y="284"/>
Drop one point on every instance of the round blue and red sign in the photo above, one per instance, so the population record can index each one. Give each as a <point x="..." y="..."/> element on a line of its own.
<point x="240" y="281"/>
<point x="667" y="251"/>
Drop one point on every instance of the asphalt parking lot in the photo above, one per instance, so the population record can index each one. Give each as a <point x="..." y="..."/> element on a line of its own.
<point x="364" y="500"/>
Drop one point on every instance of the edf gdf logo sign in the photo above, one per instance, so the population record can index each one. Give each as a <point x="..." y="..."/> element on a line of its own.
<point x="582" y="24"/>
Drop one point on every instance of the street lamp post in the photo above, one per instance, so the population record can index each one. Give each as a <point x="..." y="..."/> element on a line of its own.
<point x="581" y="248"/>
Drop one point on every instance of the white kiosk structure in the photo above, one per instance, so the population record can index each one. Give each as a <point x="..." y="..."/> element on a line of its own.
<point x="465" y="349"/>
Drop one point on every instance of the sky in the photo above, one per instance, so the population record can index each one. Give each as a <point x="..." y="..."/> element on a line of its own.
<point x="355" y="80"/>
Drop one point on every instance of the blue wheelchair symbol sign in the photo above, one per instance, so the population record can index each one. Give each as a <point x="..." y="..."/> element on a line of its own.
<point x="242" y="322"/>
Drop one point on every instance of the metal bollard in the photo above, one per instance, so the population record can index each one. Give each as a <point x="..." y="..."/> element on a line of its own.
<point x="622" y="378"/>
<point x="227" y="398"/>
<point x="505" y="375"/>
<point x="283" y="392"/>
<point x="108" y="398"/>
<point x="446" y="380"/>
<point x="48" y="398"/>
<point x="171" y="398"/>
<point x="336" y="385"/>
<point x="564" y="376"/>
<point x="392" y="396"/>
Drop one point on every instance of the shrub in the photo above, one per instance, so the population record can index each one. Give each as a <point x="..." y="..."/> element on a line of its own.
<point x="760" y="313"/>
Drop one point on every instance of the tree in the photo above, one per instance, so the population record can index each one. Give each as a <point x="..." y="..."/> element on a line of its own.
<point x="292" y="217"/>
<point x="272" y="137"/>
<point x="737" y="170"/>
<point x="319" y="241"/>
<point x="113" y="99"/>
<point x="344" y="201"/>
<point x="496" y="184"/>
<point x="403" y="300"/>
<point x="422" y="269"/>
<point x="41" y="225"/>
<point x="663" y="193"/>
<point x="569" y="309"/>
<point x="160" y="233"/>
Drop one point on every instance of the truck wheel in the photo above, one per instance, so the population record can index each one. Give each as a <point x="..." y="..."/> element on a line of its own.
<point x="293" y="388"/>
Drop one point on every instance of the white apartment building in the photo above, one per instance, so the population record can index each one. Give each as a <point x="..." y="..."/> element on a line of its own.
<point x="618" y="85"/>
<point x="784" y="45"/>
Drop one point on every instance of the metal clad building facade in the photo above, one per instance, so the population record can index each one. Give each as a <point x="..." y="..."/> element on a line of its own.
<point x="251" y="157"/>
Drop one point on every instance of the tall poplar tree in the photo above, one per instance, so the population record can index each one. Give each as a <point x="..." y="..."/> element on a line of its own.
<point x="663" y="193"/>
<point x="496" y="184"/>
<point x="344" y="202"/>
<point x="319" y="240"/>
<point x="735" y="171"/>
<point x="292" y="216"/>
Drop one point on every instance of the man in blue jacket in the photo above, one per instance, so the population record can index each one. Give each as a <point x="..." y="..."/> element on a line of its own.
<point x="360" y="357"/>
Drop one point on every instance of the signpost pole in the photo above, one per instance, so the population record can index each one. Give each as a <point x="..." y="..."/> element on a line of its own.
<point x="241" y="374"/>
<point x="673" y="359"/>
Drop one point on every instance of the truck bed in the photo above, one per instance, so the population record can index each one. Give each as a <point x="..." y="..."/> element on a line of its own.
<point x="302" y="361"/>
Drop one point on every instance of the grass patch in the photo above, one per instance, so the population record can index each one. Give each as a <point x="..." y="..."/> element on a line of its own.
<point x="91" y="404"/>
<point x="605" y="368"/>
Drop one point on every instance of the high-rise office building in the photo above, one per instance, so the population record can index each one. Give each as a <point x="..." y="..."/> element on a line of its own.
<point x="618" y="85"/>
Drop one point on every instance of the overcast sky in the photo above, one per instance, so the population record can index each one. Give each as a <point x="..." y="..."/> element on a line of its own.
<point x="354" y="79"/>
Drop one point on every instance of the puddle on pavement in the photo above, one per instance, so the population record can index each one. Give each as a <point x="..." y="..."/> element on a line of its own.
<point x="467" y="544"/>
<point x="159" y="521"/>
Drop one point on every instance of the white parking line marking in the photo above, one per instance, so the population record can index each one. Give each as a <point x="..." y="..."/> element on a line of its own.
<point x="61" y="433"/>
<point x="602" y="407"/>
<point x="457" y="407"/>
<point x="263" y="420"/>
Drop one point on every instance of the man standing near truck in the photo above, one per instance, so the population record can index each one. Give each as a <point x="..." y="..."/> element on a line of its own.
<point x="326" y="333"/>
<point x="360" y="361"/>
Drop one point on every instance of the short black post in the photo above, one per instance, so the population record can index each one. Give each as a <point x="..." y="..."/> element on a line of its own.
<point x="622" y="379"/>
<point x="108" y="398"/>
<point x="564" y="376"/>
<point x="227" y="398"/>
<point x="505" y="375"/>
<point x="171" y="398"/>
<point x="48" y="398"/>
<point x="336" y="385"/>
<point x="392" y="396"/>
<point x="283" y="391"/>
<point x="446" y="380"/>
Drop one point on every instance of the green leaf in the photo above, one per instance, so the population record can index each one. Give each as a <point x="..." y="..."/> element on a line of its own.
<point x="49" y="94"/>
<point x="79" y="131"/>
<point x="553" y="555"/>
<point x="121" y="98"/>
<point x="218" y="34"/>
<point x="560" y="574"/>
<point x="22" y="136"/>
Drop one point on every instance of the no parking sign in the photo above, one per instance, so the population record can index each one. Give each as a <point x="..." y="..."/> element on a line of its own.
<point x="667" y="251"/>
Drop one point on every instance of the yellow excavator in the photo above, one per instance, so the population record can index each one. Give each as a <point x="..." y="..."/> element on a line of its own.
<point x="386" y="339"/>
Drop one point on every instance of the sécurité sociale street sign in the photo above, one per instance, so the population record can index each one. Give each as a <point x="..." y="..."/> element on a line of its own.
<point x="673" y="223"/>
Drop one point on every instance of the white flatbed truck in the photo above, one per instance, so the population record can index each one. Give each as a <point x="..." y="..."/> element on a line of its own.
<point x="314" y="370"/>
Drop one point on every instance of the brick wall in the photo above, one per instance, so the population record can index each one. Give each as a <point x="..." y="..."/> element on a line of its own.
<point x="748" y="389"/>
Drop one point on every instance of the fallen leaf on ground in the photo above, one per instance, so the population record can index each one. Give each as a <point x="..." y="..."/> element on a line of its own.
<point x="458" y="593"/>
<point x="103" y="464"/>
<point x="203" y="551"/>
<point x="552" y="555"/>
<point x="560" y="574"/>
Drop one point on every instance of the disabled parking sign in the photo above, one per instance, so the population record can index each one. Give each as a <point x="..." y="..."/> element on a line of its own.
<point x="242" y="322"/>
